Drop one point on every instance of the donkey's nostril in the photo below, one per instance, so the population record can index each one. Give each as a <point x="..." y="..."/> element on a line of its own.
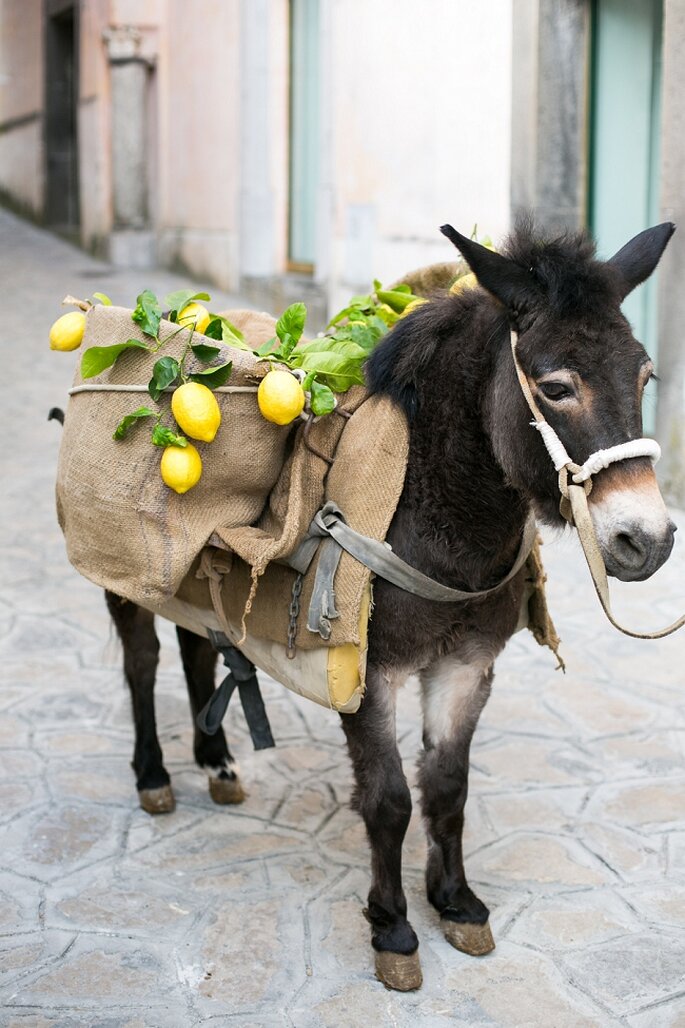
<point x="631" y="548"/>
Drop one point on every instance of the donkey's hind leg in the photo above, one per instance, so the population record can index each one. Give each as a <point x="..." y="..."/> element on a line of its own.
<point x="382" y="798"/>
<point x="136" y="629"/>
<point x="211" y="751"/>
<point x="454" y="694"/>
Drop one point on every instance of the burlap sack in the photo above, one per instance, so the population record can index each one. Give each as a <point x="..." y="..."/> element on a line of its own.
<point x="124" y="529"/>
<point x="369" y="458"/>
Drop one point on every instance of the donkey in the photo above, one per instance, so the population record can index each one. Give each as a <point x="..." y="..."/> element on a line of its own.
<point x="476" y="469"/>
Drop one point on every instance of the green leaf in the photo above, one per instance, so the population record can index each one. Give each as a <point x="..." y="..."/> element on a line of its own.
<point x="213" y="377"/>
<point x="322" y="399"/>
<point x="97" y="358"/>
<point x="221" y="328"/>
<point x="104" y="300"/>
<point x="178" y="300"/>
<point x="204" y="352"/>
<point x="162" y="436"/>
<point x="122" y="429"/>
<point x="335" y="369"/>
<point x="266" y="347"/>
<point x="291" y="322"/>
<point x="364" y="335"/>
<point x="166" y="371"/>
<point x="213" y="330"/>
<point x="148" y="313"/>
<point x="398" y="298"/>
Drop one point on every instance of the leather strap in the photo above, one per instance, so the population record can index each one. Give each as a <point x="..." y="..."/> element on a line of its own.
<point x="380" y="559"/>
<point x="595" y="562"/>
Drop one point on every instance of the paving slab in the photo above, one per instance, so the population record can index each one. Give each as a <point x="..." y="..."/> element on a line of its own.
<point x="251" y="916"/>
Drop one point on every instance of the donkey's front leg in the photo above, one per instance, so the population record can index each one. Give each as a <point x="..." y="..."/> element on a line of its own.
<point x="454" y="694"/>
<point x="382" y="798"/>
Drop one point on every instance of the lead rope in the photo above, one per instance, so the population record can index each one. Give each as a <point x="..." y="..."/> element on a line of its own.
<point x="575" y="485"/>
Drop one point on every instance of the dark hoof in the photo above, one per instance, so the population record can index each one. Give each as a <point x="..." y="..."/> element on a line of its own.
<point x="157" y="801"/>
<point x="226" y="790"/>
<point x="399" y="971"/>
<point x="474" y="939"/>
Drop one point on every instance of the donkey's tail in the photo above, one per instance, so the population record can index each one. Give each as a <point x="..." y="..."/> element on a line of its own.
<point x="56" y="414"/>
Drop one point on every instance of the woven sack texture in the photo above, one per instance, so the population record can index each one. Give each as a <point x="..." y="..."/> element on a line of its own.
<point x="124" y="529"/>
<point x="365" y="480"/>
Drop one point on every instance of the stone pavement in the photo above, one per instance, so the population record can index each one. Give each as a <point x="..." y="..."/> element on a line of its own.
<point x="251" y="916"/>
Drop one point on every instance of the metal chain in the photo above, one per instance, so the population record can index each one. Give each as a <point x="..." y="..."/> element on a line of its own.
<point x="294" y="611"/>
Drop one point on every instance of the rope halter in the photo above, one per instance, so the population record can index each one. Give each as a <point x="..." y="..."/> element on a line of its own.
<point x="580" y="474"/>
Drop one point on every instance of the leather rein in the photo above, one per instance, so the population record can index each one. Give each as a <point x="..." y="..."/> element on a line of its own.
<point x="575" y="484"/>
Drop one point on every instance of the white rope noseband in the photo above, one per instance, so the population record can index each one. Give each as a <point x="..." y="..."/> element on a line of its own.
<point x="600" y="459"/>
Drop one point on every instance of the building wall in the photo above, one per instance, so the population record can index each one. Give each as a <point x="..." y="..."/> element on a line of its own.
<point x="21" y="104"/>
<point x="419" y="109"/>
<point x="199" y="144"/>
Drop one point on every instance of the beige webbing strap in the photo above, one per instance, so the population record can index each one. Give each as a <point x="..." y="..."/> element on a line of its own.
<point x="588" y="540"/>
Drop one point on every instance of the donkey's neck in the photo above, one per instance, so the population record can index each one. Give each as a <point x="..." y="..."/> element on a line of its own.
<point x="458" y="519"/>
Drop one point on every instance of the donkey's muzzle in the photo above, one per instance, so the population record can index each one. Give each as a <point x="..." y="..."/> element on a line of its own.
<point x="634" y="552"/>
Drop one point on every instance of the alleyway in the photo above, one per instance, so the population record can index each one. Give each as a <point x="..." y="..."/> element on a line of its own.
<point x="251" y="916"/>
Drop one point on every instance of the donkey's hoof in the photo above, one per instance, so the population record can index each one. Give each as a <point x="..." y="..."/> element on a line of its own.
<point x="474" y="939"/>
<point x="226" y="790"/>
<point x="157" y="801"/>
<point x="400" y="971"/>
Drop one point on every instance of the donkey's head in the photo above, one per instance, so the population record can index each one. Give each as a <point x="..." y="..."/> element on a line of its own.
<point x="587" y="374"/>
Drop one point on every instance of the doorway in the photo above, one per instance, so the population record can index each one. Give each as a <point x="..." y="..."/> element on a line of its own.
<point x="61" y="131"/>
<point x="624" y="144"/>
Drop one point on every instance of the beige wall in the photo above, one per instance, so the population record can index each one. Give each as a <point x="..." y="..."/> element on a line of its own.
<point x="420" y="111"/>
<point x="21" y="100"/>
<point x="198" y="95"/>
<point x="95" y="158"/>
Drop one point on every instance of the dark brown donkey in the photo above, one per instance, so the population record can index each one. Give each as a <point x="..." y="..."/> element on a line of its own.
<point x="476" y="467"/>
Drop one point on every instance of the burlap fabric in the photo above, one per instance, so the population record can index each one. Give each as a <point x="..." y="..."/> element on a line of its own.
<point x="369" y="458"/>
<point x="124" y="529"/>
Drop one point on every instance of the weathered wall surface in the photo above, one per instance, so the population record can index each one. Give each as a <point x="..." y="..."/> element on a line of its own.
<point x="419" y="109"/>
<point x="21" y="103"/>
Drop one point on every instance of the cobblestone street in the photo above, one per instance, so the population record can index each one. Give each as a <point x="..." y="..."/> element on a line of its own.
<point x="251" y="916"/>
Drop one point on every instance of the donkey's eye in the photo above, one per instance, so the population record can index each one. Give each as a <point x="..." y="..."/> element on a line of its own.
<point x="555" y="390"/>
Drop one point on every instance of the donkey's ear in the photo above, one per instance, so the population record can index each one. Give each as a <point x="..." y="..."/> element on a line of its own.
<point x="511" y="284"/>
<point x="637" y="259"/>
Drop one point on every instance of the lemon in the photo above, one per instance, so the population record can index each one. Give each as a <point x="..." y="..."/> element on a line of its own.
<point x="67" y="331"/>
<point x="280" y="397"/>
<point x="468" y="281"/>
<point x="194" y="314"/>
<point x="195" y="408"/>
<point x="412" y="306"/>
<point x="181" y="467"/>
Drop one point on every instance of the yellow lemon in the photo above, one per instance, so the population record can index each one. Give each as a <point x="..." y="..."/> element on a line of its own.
<point x="67" y="331"/>
<point x="194" y="314"/>
<point x="280" y="397"/>
<point x="181" y="467"/>
<point x="413" y="305"/>
<point x="468" y="281"/>
<point x="195" y="408"/>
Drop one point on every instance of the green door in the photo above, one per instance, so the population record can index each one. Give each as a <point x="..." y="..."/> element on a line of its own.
<point x="304" y="132"/>
<point x="624" y="143"/>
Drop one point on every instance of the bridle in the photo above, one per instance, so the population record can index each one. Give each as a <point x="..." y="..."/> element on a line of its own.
<point x="575" y="484"/>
